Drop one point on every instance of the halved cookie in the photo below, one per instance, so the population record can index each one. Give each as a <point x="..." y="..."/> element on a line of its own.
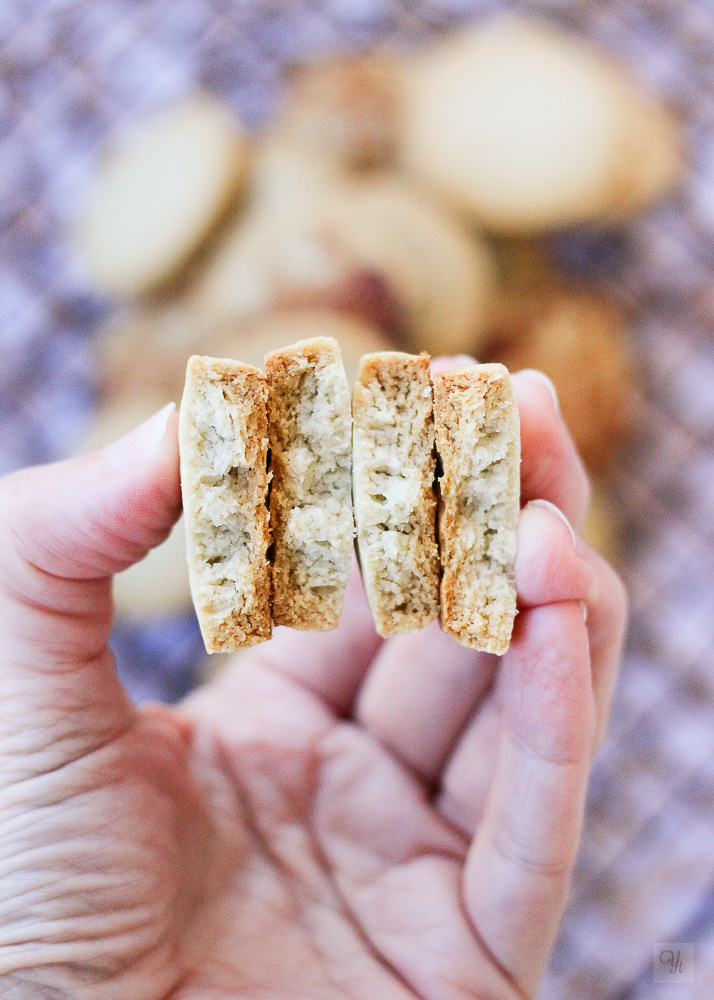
<point x="478" y="441"/>
<point x="395" y="506"/>
<point x="224" y="446"/>
<point x="310" y="427"/>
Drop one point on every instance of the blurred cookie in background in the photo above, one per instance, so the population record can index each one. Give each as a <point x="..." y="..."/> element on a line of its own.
<point x="603" y="528"/>
<point x="355" y="336"/>
<point x="442" y="275"/>
<point x="337" y="119"/>
<point x="146" y="349"/>
<point x="158" y="192"/>
<point x="158" y="585"/>
<point x="579" y="339"/>
<point x="270" y="261"/>
<point x="531" y="129"/>
<point x="141" y="359"/>
<point x="372" y="247"/>
<point x="288" y="178"/>
<point x="652" y="160"/>
<point x="527" y="276"/>
<point x="346" y="110"/>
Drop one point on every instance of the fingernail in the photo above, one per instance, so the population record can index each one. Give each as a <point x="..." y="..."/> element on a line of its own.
<point x="539" y="376"/>
<point x="547" y="505"/>
<point x="465" y="360"/>
<point x="584" y="610"/>
<point x="140" y="444"/>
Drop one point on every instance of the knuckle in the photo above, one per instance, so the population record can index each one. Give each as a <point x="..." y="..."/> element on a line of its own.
<point x="521" y="853"/>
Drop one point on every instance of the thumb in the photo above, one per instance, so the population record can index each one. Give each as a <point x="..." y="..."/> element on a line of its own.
<point x="65" y="529"/>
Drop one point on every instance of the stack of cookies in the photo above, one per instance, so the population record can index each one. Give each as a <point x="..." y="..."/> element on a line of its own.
<point x="278" y="466"/>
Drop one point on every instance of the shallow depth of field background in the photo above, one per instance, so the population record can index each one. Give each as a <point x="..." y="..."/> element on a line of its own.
<point x="70" y="72"/>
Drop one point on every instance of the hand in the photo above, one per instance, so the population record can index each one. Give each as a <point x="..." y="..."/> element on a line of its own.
<point x="336" y="816"/>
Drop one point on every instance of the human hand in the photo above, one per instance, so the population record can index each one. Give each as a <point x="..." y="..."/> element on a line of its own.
<point x="336" y="815"/>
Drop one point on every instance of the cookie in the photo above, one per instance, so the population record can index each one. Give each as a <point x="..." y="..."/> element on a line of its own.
<point x="652" y="163"/>
<point x="271" y="261"/>
<point x="529" y="128"/>
<point x="310" y="430"/>
<point x="478" y="442"/>
<point x="158" y="192"/>
<point x="579" y="339"/>
<point x="150" y="347"/>
<point x="288" y="178"/>
<point x="395" y="506"/>
<point x="223" y="443"/>
<point x="603" y="528"/>
<point x="344" y="110"/>
<point x="442" y="276"/>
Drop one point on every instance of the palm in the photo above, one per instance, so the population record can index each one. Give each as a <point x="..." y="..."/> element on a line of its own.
<point x="339" y="879"/>
<point x="285" y="854"/>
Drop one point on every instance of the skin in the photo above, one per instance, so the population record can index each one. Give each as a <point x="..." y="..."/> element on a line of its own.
<point x="336" y="816"/>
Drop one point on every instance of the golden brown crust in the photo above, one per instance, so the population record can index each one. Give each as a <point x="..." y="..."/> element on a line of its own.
<point x="395" y="364"/>
<point x="478" y="441"/>
<point x="395" y="506"/>
<point x="309" y="424"/>
<point x="224" y="444"/>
